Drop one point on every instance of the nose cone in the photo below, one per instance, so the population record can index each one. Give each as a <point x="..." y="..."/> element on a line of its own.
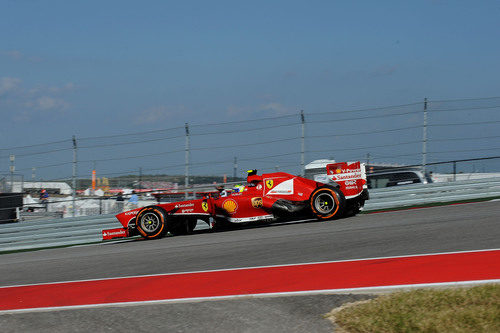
<point x="125" y="217"/>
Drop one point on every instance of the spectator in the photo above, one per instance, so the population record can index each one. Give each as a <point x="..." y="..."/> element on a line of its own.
<point x="44" y="199"/>
<point x="134" y="200"/>
<point x="119" y="202"/>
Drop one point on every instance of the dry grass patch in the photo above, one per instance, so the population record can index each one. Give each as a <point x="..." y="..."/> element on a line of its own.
<point x="475" y="309"/>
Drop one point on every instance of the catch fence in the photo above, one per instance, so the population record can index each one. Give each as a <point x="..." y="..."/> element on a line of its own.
<point x="425" y="133"/>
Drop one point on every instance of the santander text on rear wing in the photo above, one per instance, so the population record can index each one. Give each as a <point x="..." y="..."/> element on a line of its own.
<point x="351" y="177"/>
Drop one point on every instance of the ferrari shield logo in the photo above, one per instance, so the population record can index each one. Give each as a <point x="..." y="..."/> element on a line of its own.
<point x="269" y="183"/>
<point x="204" y="205"/>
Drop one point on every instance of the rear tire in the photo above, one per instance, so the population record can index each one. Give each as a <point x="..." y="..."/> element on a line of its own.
<point x="327" y="203"/>
<point x="151" y="222"/>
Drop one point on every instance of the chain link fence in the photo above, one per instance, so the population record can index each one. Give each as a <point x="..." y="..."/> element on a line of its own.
<point x="423" y="133"/>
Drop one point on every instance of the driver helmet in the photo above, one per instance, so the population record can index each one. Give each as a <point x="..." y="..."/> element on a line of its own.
<point x="238" y="188"/>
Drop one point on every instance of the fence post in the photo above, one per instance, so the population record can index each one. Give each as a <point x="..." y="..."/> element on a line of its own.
<point x="186" y="178"/>
<point x="454" y="170"/>
<point x="12" y="169"/>
<point x="302" y="143"/>
<point x="74" y="175"/>
<point x="235" y="168"/>
<point x="424" y="138"/>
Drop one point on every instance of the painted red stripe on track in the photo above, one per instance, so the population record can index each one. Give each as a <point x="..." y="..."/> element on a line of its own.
<point x="440" y="268"/>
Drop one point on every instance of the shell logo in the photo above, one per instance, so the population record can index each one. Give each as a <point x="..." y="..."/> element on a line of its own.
<point x="230" y="206"/>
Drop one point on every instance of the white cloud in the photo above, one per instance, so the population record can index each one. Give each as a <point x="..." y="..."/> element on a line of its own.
<point x="162" y="113"/>
<point x="19" y="56"/>
<point x="45" y="103"/>
<point x="45" y="89"/>
<point x="266" y="109"/>
<point x="233" y="110"/>
<point x="274" y="107"/>
<point x="8" y="84"/>
<point x="66" y="87"/>
<point x="385" y="70"/>
<point x="13" y="54"/>
<point x="26" y="103"/>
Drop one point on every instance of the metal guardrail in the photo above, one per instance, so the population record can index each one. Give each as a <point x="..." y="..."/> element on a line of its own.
<point x="56" y="232"/>
<point x="421" y="194"/>
<point x="82" y="230"/>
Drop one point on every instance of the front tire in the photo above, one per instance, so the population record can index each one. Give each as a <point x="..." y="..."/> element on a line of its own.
<point x="151" y="222"/>
<point x="327" y="203"/>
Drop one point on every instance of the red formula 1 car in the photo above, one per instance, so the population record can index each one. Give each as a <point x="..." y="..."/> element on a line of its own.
<point x="269" y="197"/>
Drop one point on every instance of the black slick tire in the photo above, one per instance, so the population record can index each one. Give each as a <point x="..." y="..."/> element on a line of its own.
<point x="151" y="222"/>
<point x="327" y="203"/>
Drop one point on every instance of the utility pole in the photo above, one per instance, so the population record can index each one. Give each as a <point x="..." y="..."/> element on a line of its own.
<point x="302" y="143"/>
<point x="12" y="169"/>
<point x="33" y="174"/>
<point x="424" y="138"/>
<point x="74" y="175"/>
<point x="367" y="158"/>
<point x="235" y="167"/>
<point x="186" y="179"/>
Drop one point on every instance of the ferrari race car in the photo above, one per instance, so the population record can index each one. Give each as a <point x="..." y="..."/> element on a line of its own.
<point x="270" y="197"/>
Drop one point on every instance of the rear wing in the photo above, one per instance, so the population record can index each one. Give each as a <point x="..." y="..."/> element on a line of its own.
<point x="350" y="176"/>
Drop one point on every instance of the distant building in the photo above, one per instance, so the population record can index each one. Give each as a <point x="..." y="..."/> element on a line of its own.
<point x="51" y="187"/>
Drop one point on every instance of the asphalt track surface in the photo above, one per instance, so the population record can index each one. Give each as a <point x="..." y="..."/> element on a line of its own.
<point x="430" y="230"/>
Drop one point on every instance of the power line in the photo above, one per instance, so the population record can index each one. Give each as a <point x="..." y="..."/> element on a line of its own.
<point x="132" y="156"/>
<point x="367" y="109"/>
<point x="466" y="139"/>
<point x="244" y="121"/>
<point x="466" y="124"/>
<point x="45" y="166"/>
<point x="465" y="99"/>
<point x="247" y="144"/>
<point x="463" y="151"/>
<point x="40" y="153"/>
<point x="362" y="133"/>
<point x="366" y="147"/>
<point x="466" y="109"/>
<point x="391" y="156"/>
<point x="245" y="130"/>
<point x="131" y="142"/>
<point x="130" y="134"/>
<point x="366" y="117"/>
<point x="263" y="119"/>
<point x="36" y="145"/>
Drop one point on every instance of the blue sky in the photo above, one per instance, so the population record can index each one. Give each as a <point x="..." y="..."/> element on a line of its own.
<point x="91" y="68"/>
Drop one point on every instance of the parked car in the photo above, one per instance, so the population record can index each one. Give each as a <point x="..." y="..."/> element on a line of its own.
<point x="396" y="178"/>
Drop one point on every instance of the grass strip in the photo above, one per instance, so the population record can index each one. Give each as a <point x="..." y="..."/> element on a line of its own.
<point x="474" y="309"/>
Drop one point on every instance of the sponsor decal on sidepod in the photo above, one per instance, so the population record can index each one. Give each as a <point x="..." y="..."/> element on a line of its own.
<point x="230" y="206"/>
<point x="257" y="202"/>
